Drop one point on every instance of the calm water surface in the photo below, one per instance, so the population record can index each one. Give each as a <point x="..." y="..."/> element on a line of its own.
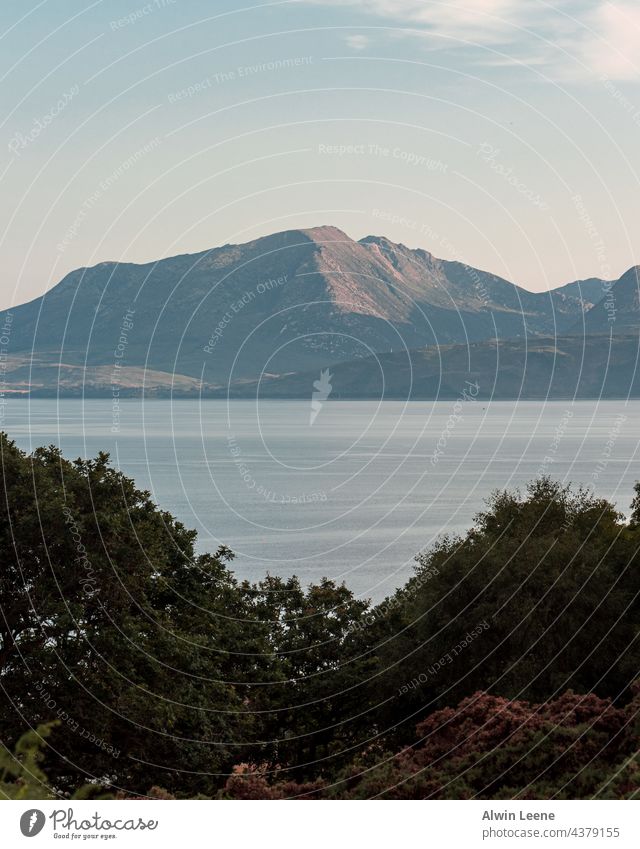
<point x="352" y="496"/>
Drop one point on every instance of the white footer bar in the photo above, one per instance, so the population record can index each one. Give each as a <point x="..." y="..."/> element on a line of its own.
<point x="321" y="825"/>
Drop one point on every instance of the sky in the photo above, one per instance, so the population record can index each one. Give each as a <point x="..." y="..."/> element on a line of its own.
<point x="501" y="133"/>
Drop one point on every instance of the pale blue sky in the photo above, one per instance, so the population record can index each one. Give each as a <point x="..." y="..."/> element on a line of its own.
<point x="503" y="133"/>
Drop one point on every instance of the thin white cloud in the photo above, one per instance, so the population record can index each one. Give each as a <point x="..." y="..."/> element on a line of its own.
<point x="477" y="20"/>
<point x="357" y="42"/>
<point x="570" y="39"/>
<point x="480" y="21"/>
<point x="614" y="49"/>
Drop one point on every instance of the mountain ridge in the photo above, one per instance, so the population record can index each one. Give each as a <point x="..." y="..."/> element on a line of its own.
<point x="291" y="301"/>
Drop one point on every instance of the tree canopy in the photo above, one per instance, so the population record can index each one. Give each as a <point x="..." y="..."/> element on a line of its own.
<point x="152" y="666"/>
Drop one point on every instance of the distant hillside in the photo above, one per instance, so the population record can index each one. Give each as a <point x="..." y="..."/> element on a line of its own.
<point x="301" y="299"/>
<point x="564" y="367"/>
<point x="619" y="310"/>
<point x="588" y="291"/>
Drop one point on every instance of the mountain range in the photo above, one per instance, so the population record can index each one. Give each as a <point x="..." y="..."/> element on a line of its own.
<point x="269" y="313"/>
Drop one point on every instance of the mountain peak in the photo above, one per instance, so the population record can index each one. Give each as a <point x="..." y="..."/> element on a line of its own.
<point x="326" y="233"/>
<point x="299" y="238"/>
<point x="618" y="310"/>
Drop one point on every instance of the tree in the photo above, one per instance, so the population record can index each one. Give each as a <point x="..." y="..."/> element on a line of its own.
<point x="311" y="708"/>
<point x="539" y="596"/>
<point x="98" y="629"/>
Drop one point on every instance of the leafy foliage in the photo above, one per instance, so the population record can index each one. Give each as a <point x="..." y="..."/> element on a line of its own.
<point x="165" y="676"/>
<point x="112" y="624"/>
<point x="554" y="576"/>
<point x="21" y="774"/>
<point x="489" y="747"/>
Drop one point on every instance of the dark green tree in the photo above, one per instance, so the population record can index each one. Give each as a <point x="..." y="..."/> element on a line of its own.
<point x="312" y="710"/>
<point x="538" y="597"/>
<point x="110" y="623"/>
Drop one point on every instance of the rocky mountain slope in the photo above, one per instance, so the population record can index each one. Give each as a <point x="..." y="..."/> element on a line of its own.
<point x="618" y="311"/>
<point x="297" y="300"/>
